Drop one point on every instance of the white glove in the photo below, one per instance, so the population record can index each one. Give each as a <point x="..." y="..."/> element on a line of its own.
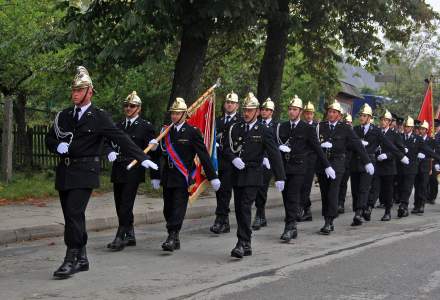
<point x="284" y="148"/>
<point x="437" y="167"/>
<point x="238" y="163"/>
<point x="149" y="164"/>
<point x="369" y="168"/>
<point x="365" y="143"/>
<point x="155" y="143"/>
<point x="155" y="183"/>
<point x="63" y="148"/>
<point x="215" y="183"/>
<point x="421" y="155"/>
<point x="330" y="172"/>
<point x="382" y="156"/>
<point x="326" y="145"/>
<point x="406" y="150"/>
<point x="279" y="185"/>
<point x="266" y="163"/>
<point x="405" y="160"/>
<point x="112" y="156"/>
<point x="217" y="145"/>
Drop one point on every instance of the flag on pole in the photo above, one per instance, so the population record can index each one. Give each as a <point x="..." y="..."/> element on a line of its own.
<point x="427" y="110"/>
<point x="202" y="116"/>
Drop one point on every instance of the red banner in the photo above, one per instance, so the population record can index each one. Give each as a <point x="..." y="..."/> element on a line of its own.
<point x="203" y="117"/>
<point x="427" y="110"/>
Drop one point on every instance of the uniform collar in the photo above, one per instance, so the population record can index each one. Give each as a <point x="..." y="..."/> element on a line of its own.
<point x="294" y="123"/>
<point x="179" y="126"/>
<point x="267" y="121"/>
<point x="83" y="109"/>
<point x="251" y="125"/>
<point x="131" y="119"/>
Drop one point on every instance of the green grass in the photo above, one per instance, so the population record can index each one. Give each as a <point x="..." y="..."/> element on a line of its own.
<point x="37" y="185"/>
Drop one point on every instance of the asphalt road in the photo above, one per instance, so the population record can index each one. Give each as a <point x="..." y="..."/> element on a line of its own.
<point x="393" y="260"/>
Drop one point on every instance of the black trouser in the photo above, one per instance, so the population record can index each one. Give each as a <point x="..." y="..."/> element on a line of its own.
<point x="306" y="187"/>
<point x="405" y="187"/>
<point x="291" y="197"/>
<point x="125" y="194"/>
<point x="329" y="194"/>
<point x="360" y="189"/>
<point x="74" y="203"/>
<point x="224" y="194"/>
<point x="343" y="187"/>
<point x="382" y="187"/>
<point x="260" y="201"/>
<point x="244" y="198"/>
<point x="175" y="202"/>
<point x="421" y="183"/>
<point x="397" y="183"/>
<point x="433" y="186"/>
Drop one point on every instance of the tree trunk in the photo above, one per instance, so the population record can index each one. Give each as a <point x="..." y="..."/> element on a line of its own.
<point x="272" y="65"/>
<point x="22" y="138"/>
<point x="189" y="65"/>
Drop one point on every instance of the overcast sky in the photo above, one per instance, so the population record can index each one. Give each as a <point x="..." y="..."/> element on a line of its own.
<point x="435" y="4"/>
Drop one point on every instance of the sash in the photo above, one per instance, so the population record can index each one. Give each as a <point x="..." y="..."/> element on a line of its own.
<point x="177" y="161"/>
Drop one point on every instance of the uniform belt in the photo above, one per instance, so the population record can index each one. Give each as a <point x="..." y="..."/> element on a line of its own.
<point x="74" y="160"/>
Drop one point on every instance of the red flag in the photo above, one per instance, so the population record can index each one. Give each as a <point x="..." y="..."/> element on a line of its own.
<point x="203" y="117"/>
<point x="427" y="110"/>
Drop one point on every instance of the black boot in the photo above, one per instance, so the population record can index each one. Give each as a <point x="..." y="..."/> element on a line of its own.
<point x="366" y="214"/>
<point x="307" y="215"/>
<point x="120" y="241"/>
<point x="83" y="262"/>
<point x="247" y="249"/>
<point x="263" y="218"/>
<point x="357" y="219"/>
<point x="290" y="232"/>
<point x="326" y="229"/>
<point x="387" y="216"/>
<point x="130" y="237"/>
<point x="170" y="243"/>
<point x="238" y="251"/>
<point x="332" y="227"/>
<point x="221" y="225"/>
<point x="300" y="214"/>
<point x="341" y="209"/>
<point x="177" y="241"/>
<point x="68" y="268"/>
<point x="257" y="222"/>
<point x="402" y="211"/>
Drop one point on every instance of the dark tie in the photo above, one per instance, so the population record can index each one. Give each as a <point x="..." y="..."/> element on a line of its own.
<point x="247" y="128"/>
<point x="264" y="122"/>
<point x="128" y="124"/>
<point x="332" y="127"/>
<point x="228" y="118"/>
<point x="76" y="116"/>
<point x="175" y="130"/>
<point x="383" y="132"/>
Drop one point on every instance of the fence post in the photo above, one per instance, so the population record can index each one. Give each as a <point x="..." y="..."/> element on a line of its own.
<point x="7" y="141"/>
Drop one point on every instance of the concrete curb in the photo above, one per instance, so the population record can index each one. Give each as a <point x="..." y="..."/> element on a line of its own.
<point x="97" y="224"/>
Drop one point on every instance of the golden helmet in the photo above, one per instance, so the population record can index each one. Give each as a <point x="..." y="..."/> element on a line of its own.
<point x="296" y="102"/>
<point x="309" y="107"/>
<point x="232" y="97"/>
<point x="366" y="110"/>
<point x="268" y="104"/>
<point x="386" y="115"/>
<point x="251" y="101"/>
<point x="82" y="79"/>
<point x="425" y="125"/>
<point x="349" y="118"/>
<point x="133" y="98"/>
<point x="409" y="122"/>
<point x="179" y="105"/>
<point x="336" y="106"/>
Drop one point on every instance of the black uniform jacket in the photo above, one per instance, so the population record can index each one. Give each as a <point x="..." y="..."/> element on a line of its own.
<point x="343" y="139"/>
<point x="187" y="142"/>
<point x="415" y="145"/>
<point x="80" y="167"/>
<point x="389" y="166"/>
<point x="252" y="147"/>
<point x="303" y="142"/>
<point x="425" y="165"/>
<point x="375" y="139"/>
<point x="140" y="132"/>
<point x="222" y="135"/>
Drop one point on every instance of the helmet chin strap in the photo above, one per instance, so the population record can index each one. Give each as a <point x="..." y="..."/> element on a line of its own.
<point x="136" y="111"/>
<point x="253" y="117"/>
<point x="180" y="120"/>
<point x="84" y="97"/>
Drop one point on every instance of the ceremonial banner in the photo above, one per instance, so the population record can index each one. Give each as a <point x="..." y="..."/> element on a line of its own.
<point x="202" y="116"/>
<point x="427" y="110"/>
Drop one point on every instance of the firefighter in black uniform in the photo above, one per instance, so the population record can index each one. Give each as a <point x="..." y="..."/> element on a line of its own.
<point x="335" y="138"/>
<point x="249" y="142"/>
<point x="224" y="194"/>
<point x="180" y="147"/>
<point x="386" y="159"/>
<point x="77" y="136"/>
<point x="126" y="182"/>
<point x="305" y="212"/>
<point x="344" y="181"/>
<point x="433" y="183"/>
<point x="416" y="150"/>
<point x="267" y="109"/>
<point x="372" y="138"/>
<point x="297" y="140"/>
<point x="421" y="181"/>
